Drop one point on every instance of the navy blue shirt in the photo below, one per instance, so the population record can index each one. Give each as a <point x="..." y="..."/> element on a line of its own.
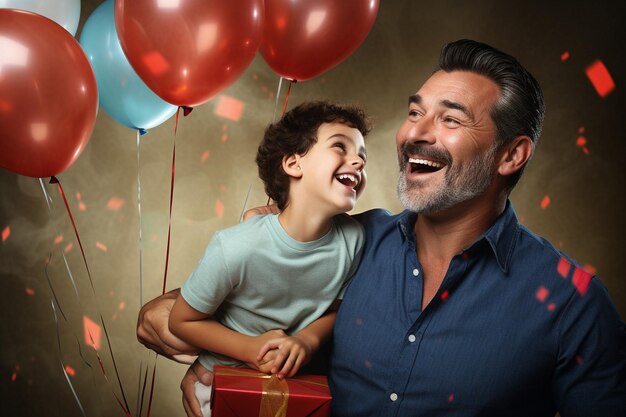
<point x="516" y="329"/>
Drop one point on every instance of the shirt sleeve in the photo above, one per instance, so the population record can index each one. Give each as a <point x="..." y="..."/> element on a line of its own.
<point x="590" y="377"/>
<point x="210" y="283"/>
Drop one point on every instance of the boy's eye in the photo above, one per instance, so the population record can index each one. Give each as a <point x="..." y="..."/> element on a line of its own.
<point x="340" y="146"/>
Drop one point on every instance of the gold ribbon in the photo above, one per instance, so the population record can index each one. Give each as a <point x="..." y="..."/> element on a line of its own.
<point x="274" y="398"/>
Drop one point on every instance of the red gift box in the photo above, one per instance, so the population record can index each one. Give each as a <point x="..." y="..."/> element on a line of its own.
<point x="239" y="392"/>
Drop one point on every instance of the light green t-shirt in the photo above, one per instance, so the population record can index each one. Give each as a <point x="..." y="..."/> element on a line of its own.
<point x="254" y="277"/>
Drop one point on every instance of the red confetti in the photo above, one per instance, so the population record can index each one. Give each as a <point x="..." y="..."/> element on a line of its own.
<point x="359" y="322"/>
<point x="542" y="294"/>
<point x="590" y="268"/>
<point x="219" y="208"/>
<point x="551" y="307"/>
<point x="465" y="256"/>
<point x="224" y="137"/>
<point x="581" y="130"/>
<point x="121" y="306"/>
<point x="581" y="141"/>
<point x="58" y="239"/>
<point x="229" y="108"/>
<point x="586" y="151"/>
<point x="101" y="246"/>
<point x="367" y="364"/>
<point x="82" y="206"/>
<point x="581" y="280"/>
<point x="205" y="155"/>
<point x="13" y="376"/>
<point x="563" y="267"/>
<point x="579" y="359"/>
<point x="600" y="78"/>
<point x="68" y="247"/>
<point x="545" y="202"/>
<point x="444" y="295"/>
<point x="564" y="56"/>
<point x="450" y="398"/>
<point x="6" y="233"/>
<point x="78" y="196"/>
<point x="92" y="333"/>
<point x="30" y="291"/>
<point x="70" y="371"/>
<point x="115" y="203"/>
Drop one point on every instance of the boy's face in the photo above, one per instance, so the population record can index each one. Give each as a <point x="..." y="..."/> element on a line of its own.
<point x="333" y="169"/>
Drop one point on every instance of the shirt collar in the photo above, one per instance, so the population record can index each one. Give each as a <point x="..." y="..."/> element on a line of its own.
<point x="501" y="236"/>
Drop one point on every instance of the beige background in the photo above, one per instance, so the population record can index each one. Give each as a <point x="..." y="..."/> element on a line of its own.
<point x="584" y="216"/>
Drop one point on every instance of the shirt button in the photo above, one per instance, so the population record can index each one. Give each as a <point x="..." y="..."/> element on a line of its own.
<point x="393" y="396"/>
<point x="412" y="338"/>
<point x="416" y="272"/>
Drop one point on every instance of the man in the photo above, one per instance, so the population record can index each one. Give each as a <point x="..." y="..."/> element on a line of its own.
<point x="457" y="309"/>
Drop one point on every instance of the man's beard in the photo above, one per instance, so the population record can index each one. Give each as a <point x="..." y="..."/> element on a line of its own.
<point x="462" y="181"/>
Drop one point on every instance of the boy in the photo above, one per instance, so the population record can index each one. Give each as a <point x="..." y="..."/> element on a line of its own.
<point x="266" y="292"/>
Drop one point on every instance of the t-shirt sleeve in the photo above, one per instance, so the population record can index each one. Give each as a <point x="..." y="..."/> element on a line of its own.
<point x="211" y="282"/>
<point x="590" y="377"/>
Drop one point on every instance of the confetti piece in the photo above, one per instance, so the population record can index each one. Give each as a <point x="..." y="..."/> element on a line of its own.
<point x="58" y="239"/>
<point x="68" y="247"/>
<point x="542" y="294"/>
<point x="255" y="76"/>
<point x="205" y="155"/>
<point x="579" y="359"/>
<point x="450" y="398"/>
<point x="551" y="307"/>
<point x="590" y="268"/>
<point x="78" y="196"/>
<point x="115" y="203"/>
<point x="121" y="306"/>
<point x="101" y="246"/>
<point x="600" y="78"/>
<point x="581" y="130"/>
<point x="563" y="267"/>
<point x="219" y="208"/>
<point x="70" y="371"/>
<point x="92" y="333"/>
<point x="444" y="295"/>
<point x="565" y="56"/>
<point x="13" y="376"/>
<point x="581" y="279"/>
<point x="82" y="206"/>
<point x="359" y="322"/>
<point x="6" y="233"/>
<point x="229" y="108"/>
<point x="224" y="137"/>
<point x="30" y="291"/>
<point x="367" y="364"/>
<point x="465" y="256"/>
<point x="545" y="202"/>
<point x="581" y="141"/>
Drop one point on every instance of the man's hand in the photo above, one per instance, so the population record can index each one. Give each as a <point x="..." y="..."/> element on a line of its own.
<point x="195" y="373"/>
<point x="154" y="333"/>
<point x="291" y="352"/>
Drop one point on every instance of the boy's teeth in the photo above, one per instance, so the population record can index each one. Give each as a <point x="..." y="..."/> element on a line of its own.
<point x="425" y="162"/>
<point x="343" y="178"/>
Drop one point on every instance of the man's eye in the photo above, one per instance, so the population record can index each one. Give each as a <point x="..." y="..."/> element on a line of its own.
<point x="451" y="122"/>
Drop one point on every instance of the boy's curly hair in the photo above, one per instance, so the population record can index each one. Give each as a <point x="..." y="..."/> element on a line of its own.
<point x="296" y="133"/>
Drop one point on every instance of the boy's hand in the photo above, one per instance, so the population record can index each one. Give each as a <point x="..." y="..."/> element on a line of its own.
<point x="263" y="362"/>
<point x="291" y="353"/>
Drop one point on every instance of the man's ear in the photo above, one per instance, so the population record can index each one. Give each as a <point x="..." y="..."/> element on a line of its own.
<point x="291" y="165"/>
<point x="515" y="155"/>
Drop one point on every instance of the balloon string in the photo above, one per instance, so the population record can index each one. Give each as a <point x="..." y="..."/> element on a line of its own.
<point x="54" y="180"/>
<point x="140" y="224"/>
<point x="291" y="82"/>
<point x="280" y="83"/>
<point x="152" y="386"/>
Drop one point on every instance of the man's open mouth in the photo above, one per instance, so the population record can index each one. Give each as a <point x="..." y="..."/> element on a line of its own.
<point x="423" y="166"/>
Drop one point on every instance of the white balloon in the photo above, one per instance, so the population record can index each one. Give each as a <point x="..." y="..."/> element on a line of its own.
<point x="65" y="12"/>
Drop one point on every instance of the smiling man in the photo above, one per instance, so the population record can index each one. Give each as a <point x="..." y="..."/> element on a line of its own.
<point x="456" y="308"/>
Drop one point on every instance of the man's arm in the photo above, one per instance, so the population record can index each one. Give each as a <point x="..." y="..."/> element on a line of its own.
<point x="153" y="330"/>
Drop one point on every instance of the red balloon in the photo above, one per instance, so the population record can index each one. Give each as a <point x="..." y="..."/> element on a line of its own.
<point x="187" y="51"/>
<point x="48" y="95"/>
<point x="302" y="39"/>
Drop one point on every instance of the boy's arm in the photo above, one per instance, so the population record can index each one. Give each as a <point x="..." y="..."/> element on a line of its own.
<point x="198" y="329"/>
<point x="294" y="351"/>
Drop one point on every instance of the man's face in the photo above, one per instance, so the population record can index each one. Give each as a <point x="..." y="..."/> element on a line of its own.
<point x="446" y="145"/>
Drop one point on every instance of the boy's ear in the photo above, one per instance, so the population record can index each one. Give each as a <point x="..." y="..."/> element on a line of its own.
<point x="515" y="155"/>
<point x="291" y="165"/>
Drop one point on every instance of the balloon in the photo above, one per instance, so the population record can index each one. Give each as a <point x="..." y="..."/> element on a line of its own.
<point x="48" y="95"/>
<point x="302" y="39"/>
<point x="122" y="93"/>
<point x="188" y="51"/>
<point x="65" y="12"/>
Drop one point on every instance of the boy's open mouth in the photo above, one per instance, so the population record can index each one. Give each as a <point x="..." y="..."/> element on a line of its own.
<point x="348" y="180"/>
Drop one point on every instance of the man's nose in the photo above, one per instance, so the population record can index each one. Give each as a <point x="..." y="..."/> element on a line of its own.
<point x="422" y="130"/>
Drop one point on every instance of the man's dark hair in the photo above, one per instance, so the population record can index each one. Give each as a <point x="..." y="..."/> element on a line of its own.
<point x="520" y="109"/>
<point x="296" y="133"/>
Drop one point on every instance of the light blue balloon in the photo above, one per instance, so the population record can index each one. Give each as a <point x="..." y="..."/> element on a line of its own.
<point x="123" y="95"/>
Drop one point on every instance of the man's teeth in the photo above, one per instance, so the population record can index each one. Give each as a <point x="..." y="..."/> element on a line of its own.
<point x="425" y="162"/>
